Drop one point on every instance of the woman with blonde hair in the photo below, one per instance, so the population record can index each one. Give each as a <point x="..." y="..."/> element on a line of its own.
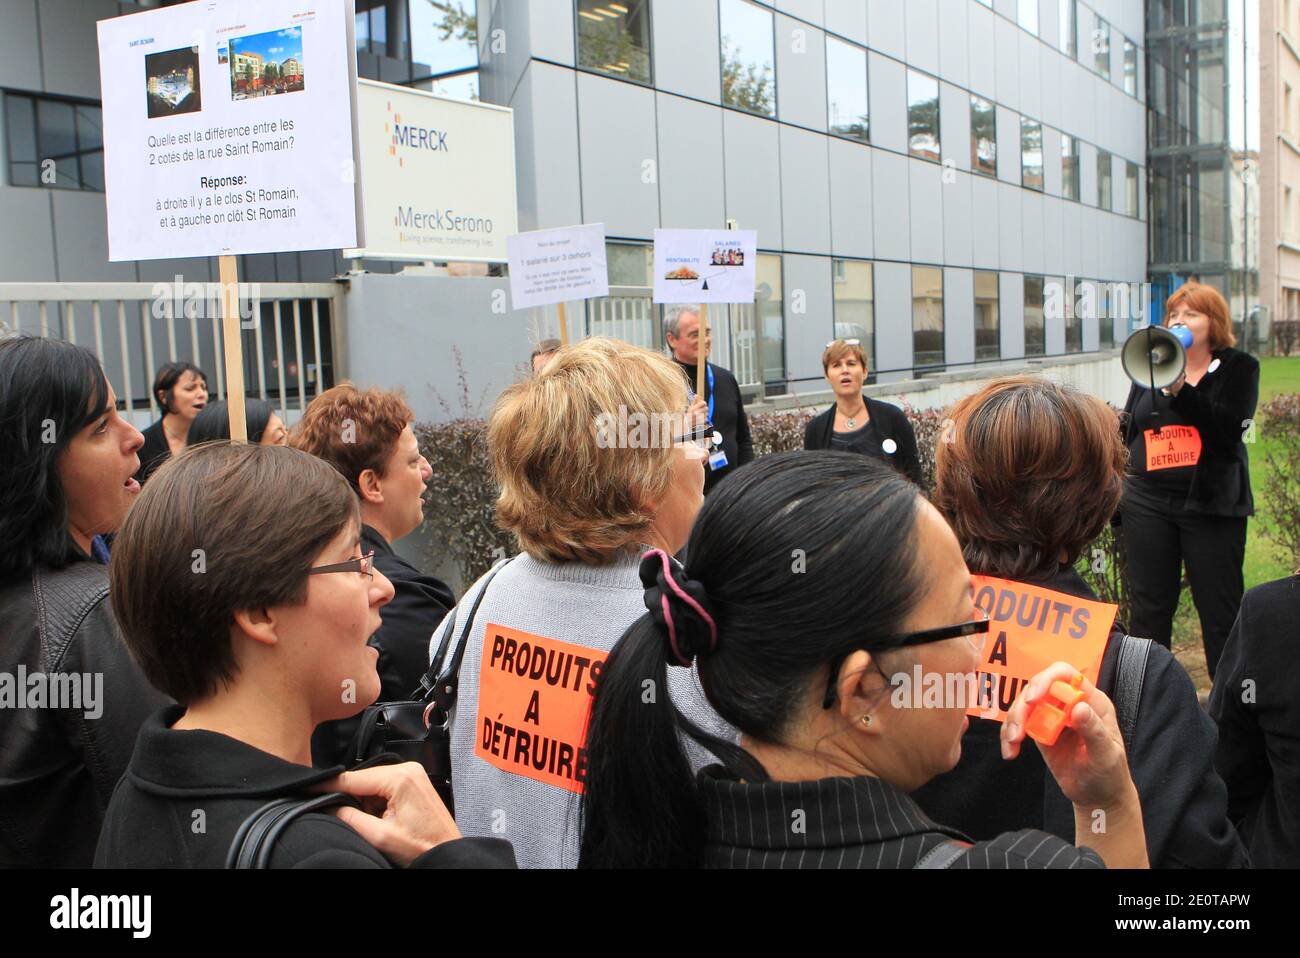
<point x="597" y="464"/>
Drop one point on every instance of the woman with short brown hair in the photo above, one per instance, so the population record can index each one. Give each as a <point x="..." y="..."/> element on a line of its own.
<point x="1029" y="474"/>
<point x="242" y="592"/>
<point x="1187" y="493"/>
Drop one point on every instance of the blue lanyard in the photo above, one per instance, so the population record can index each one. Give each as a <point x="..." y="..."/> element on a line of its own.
<point x="708" y="371"/>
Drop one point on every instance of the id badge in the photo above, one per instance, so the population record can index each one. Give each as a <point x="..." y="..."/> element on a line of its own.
<point x="718" y="460"/>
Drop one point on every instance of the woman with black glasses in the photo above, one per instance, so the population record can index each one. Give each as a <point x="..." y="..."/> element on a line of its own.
<point x="259" y="639"/>
<point x="810" y="579"/>
<point x="856" y="423"/>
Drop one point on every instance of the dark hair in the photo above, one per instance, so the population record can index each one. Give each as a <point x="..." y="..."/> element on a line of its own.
<point x="49" y="391"/>
<point x="212" y="424"/>
<point x="167" y="378"/>
<point x="801" y="558"/>
<point x="256" y="551"/>
<point x="1029" y="470"/>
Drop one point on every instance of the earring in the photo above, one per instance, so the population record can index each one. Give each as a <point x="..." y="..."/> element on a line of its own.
<point x="867" y="720"/>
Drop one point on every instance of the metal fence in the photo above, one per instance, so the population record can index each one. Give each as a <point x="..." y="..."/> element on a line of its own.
<point x="287" y="329"/>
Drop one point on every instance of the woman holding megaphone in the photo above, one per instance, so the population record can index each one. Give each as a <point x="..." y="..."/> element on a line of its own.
<point x="1187" y="491"/>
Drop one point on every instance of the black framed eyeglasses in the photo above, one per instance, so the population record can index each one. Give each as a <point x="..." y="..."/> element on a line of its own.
<point x="704" y="435"/>
<point x="979" y="626"/>
<point x="363" y="564"/>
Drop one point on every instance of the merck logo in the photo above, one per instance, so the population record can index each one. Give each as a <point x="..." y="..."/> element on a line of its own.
<point x="412" y="137"/>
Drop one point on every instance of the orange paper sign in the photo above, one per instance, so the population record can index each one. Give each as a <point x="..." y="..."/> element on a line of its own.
<point x="1029" y="629"/>
<point x="533" y="700"/>
<point x="1173" y="447"/>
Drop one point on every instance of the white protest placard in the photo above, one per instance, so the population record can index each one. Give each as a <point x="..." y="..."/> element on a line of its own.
<point x="705" y="266"/>
<point x="228" y="129"/>
<point x="558" y="266"/>
<point x="437" y="176"/>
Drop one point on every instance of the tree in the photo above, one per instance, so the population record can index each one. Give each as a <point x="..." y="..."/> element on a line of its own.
<point x="457" y="22"/>
<point x="746" y="85"/>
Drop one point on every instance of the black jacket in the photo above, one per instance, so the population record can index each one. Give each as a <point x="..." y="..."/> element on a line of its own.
<point x="728" y="418"/>
<point x="1221" y="408"/>
<point x="153" y="453"/>
<point x="890" y="423"/>
<point x="1184" y="801"/>
<point x="850" y="823"/>
<point x="58" y="768"/>
<point x="1256" y="701"/>
<point x="186" y="793"/>
<point x="419" y="604"/>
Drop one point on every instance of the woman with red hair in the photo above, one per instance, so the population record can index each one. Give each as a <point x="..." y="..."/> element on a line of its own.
<point x="1187" y="492"/>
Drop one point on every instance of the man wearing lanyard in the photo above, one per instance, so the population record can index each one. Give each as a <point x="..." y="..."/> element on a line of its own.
<point x="722" y="404"/>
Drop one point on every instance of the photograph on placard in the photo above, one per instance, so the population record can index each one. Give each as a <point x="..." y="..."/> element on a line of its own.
<point x="264" y="64"/>
<point x="172" y="82"/>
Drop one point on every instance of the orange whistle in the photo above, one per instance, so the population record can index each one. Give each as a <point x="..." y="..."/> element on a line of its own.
<point x="1052" y="713"/>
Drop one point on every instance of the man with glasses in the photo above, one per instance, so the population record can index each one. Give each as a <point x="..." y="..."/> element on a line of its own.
<point x="721" y="409"/>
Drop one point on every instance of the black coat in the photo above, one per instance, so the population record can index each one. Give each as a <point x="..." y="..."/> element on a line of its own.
<point x="419" y="604"/>
<point x="1184" y="801"/>
<point x="153" y="453"/>
<point x="186" y="793"/>
<point x="728" y="418"/>
<point x="1221" y="408"/>
<point x="58" y="768"/>
<point x="1256" y="701"/>
<point x="890" y="423"/>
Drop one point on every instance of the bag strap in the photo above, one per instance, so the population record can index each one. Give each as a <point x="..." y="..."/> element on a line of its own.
<point x="429" y="680"/>
<point x="442" y="690"/>
<point x="256" y="837"/>
<point x="942" y="856"/>
<point x="1129" y="674"/>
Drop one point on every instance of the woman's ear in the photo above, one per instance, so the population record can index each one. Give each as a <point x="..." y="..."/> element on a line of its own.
<point x="368" y="486"/>
<point x="258" y="624"/>
<point x="861" y="689"/>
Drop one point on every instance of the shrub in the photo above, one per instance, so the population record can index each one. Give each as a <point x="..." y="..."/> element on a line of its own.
<point x="1280" y="423"/>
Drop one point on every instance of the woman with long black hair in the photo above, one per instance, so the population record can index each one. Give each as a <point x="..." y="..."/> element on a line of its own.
<point x="811" y="578"/>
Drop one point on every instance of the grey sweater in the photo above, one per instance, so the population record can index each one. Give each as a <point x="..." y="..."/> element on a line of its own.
<point x="515" y="755"/>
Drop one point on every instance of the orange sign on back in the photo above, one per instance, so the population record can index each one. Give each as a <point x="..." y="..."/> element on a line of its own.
<point x="1029" y="629"/>
<point x="533" y="700"/>
<point x="1173" y="447"/>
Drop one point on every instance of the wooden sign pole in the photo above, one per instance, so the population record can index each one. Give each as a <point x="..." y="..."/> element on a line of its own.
<point x="564" y="327"/>
<point x="234" y="343"/>
<point x="702" y="360"/>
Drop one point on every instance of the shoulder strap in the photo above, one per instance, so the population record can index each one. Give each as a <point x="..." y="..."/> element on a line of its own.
<point x="430" y="679"/>
<point x="443" y="688"/>
<point x="1129" y="674"/>
<point x="942" y="856"/>
<point x="253" y="843"/>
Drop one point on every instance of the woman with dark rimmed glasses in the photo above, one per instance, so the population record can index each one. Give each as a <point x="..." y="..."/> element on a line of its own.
<point x="812" y="579"/>
<point x="243" y="592"/>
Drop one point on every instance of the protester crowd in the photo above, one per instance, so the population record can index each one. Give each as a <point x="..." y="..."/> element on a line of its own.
<point x="692" y="661"/>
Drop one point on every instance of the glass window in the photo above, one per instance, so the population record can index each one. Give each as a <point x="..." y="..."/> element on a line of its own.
<point x="1069" y="27"/>
<point x="846" y="85"/>
<point x="444" y="37"/>
<point x="983" y="137"/>
<point x="1031" y="154"/>
<point x="1105" y="191"/>
<point x="855" y="304"/>
<point x="1130" y="67"/>
<point x="1101" y="46"/>
<point x="629" y="264"/>
<point x="1069" y="167"/>
<point x="372" y="27"/>
<point x="927" y="316"/>
<point x="1027" y="15"/>
<point x="1035" y="330"/>
<point x="988" y="335"/>
<point x="614" y="38"/>
<point x="68" y="135"/>
<point x="458" y="86"/>
<point x="748" y="57"/>
<point x="1131" y="189"/>
<point x="772" y="312"/>
<point x="923" y="115"/>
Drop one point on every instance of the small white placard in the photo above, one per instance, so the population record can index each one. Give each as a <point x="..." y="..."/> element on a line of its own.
<point x="705" y="266"/>
<point x="558" y="266"/>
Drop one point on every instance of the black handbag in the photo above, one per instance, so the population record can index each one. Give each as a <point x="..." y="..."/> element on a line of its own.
<point x="419" y="730"/>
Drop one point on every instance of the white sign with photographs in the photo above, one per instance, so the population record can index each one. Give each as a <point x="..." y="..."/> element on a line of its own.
<point x="705" y="266"/>
<point x="228" y="129"/>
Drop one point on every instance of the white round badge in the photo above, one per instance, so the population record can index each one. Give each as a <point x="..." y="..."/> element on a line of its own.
<point x="889" y="446"/>
<point x="1214" y="366"/>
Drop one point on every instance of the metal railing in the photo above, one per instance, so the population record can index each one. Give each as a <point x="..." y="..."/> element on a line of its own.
<point x="127" y="326"/>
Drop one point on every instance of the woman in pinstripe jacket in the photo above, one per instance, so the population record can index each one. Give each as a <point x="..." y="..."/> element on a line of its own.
<point x="811" y="578"/>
